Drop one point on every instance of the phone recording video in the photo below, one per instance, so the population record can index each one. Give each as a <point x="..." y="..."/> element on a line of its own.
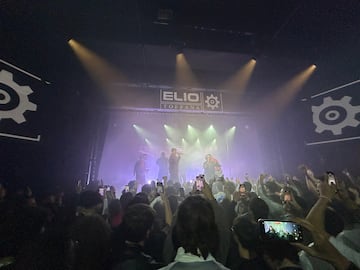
<point x="280" y="230"/>
<point x="331" y="178"/>
<point x="159" y="188"/>
<point x="199" y="185"/>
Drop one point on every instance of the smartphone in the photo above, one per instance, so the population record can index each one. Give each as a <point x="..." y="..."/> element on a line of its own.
<point x="331" y="178"/>
<point x="127" y="189"/>
<point x="280" y="230"/>
<point x="199" y="184"/>
<point x="102" y="191"/>
<point x="159" y="187"/>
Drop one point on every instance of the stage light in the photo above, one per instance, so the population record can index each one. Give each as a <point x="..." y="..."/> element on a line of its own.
<point x="101" y="70"/>
<point x="167" y="139"/>
<point x="192" y="133"/>
<point x="184" y="74"/>
<point x="273" y="105"/>
<point x="210" y="132"/>
<point x="165" y="126"/>
<point x="134" y="125"/>
<point x="239" y="81"/>
<point x="230" y="132"/>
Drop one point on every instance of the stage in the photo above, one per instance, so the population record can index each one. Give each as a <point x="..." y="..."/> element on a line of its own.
<point x="230" y="137"/>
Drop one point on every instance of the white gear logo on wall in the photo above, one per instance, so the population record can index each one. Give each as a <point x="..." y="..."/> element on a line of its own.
<point x="333" y="115"/>
<point x="212" y="102"/>
<point x="17" y="114"/>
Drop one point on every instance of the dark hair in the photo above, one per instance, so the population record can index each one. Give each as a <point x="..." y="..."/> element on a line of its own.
<point x="280" y="250"/>
<point x="247" y="186"/>
<point x="246" y="232"/>
<point x="125" y="199"/>
<point x="259" y="208"/>
<point x="89" y="199"/>
<point x="140" y="198"/>
<point x="146" y="189"/>
<point x="138" y="219"/>
<point x="195" y="228"/>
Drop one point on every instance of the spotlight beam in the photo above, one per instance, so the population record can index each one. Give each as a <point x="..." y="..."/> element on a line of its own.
<point x="239" y="81"/>
<point x="271" y="106"/>
<point x="184" y="74"/>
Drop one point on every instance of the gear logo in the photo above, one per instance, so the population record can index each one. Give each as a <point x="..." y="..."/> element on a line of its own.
<point x="212" y="102"/>
<point x="334" y="115"/>
<point x="14" y="98"/>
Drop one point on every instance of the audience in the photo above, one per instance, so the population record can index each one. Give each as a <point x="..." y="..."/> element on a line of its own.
<point x="183" y="227"/>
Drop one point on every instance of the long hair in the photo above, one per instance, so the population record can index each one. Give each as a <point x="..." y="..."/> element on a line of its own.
<point x="195" y="229"/>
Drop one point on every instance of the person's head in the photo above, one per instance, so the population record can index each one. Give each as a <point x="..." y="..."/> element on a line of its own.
<point x="258" y="209"/>
<point x="279" y="253"/>
<point x="90" y="236"/>
<point x="125" y="199"/>
<point x="137" y="222"/>
<point x="173" y="150"/>
<point x="146" y="189"/>
<point x="208" y="157"/>
<point x="246" y="233"/>
<point x="91" y="201"/>
<point x="195" y="228"/>
<point x="132" y="186"/>
<point x="140" y="198"/>
<point x="247" y="186"/>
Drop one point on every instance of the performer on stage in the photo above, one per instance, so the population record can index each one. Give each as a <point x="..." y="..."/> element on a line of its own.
<point x="140" y="170"/>
<point x="212" y="168"/>
<point x="163" y="164"/>
<point x="174" y="165"/>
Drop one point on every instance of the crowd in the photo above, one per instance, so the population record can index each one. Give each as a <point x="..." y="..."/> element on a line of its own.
<point x="203" y="224"/>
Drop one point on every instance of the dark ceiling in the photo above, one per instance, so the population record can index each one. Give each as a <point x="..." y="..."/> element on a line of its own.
<point x="255" y="26"/>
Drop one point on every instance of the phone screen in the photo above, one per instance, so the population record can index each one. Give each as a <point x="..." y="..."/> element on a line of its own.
<point x="331" y="178"/>
<point x="280" y="230"/>
<point x="127" y="189"/>
<point x="199" y="184"/>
